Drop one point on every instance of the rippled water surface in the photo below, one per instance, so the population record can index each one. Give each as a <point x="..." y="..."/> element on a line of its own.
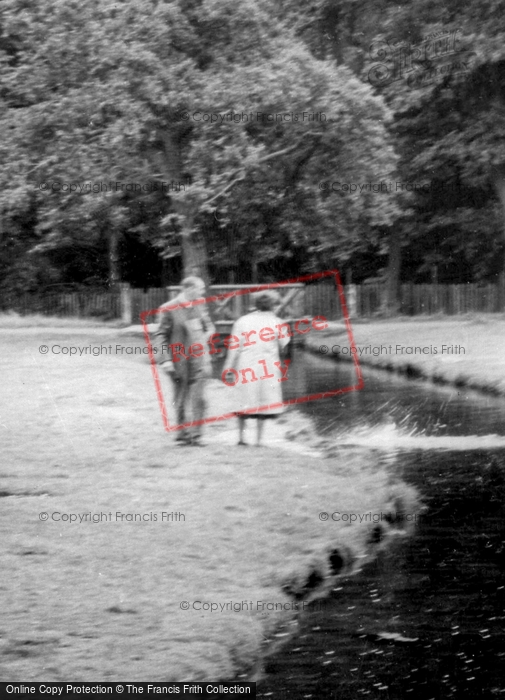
<point x="426" y="620"/>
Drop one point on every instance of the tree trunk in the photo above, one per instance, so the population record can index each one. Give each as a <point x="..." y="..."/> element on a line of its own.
<point x="499" y="184"/>
<point x="114" y="274"/>
<point x="391" y="301"/>
<point x="254" y="268"/>
<point x="194" y="250"/>
<point x="194" y="254"/>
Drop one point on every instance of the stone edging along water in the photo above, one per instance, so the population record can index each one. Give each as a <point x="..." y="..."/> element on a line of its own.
<point x="315" y="581"/>
<point x="408" y="368"/>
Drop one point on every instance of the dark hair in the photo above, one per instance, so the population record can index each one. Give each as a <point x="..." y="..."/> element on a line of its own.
<point x="265" y="301"/>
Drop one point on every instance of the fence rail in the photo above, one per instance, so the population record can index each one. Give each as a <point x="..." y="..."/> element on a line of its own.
<point x="419" y="299"/>
<point x="84" y="304"/>
<point x="366" y="300"/>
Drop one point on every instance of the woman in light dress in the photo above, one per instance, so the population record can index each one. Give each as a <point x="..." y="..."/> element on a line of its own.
<point x="255" y="370"/>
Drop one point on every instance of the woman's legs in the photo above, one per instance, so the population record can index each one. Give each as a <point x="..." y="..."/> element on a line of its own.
<point x="260" y="424"/>
<point x="241" y="427"/>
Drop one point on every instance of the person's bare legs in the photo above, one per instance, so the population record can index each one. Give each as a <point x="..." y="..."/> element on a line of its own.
<point x="260" y="424"/>
<point x="241" y="428"/>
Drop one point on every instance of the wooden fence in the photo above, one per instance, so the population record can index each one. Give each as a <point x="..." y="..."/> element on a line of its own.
<point x="223" y="311"/>
<point x="419" y="299"/>
<point x="84" y="304"/>
<point x="366" y="300"/>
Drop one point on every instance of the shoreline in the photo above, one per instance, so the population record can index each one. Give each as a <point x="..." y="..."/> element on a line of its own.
<point x="104" y="600"/>
<point x="464" y="353"/>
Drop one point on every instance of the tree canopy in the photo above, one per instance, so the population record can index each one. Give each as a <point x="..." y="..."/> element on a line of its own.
<point x="222" y="136"/>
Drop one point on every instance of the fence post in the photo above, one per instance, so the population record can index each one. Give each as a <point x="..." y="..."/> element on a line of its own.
<point x="126" y="302"/>
<point x="351" y="300"/>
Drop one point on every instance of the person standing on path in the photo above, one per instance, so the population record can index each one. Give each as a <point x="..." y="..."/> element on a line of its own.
<point x="265" y="391"/>
<point x="183" y="326"/>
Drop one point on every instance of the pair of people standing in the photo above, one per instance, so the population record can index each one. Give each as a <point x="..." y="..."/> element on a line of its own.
<point x="187" y="324"/>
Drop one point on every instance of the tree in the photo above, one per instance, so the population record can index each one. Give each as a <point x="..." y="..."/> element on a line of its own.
<point x="439" y="66"/>
<point x="117" y="96"/>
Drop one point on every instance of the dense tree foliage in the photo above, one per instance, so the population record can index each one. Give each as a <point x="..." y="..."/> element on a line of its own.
<point x="440" y="68"/>
<point x="220" y="137"/>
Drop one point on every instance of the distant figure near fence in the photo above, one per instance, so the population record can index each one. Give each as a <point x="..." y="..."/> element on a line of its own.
<point x="181" y="329"/>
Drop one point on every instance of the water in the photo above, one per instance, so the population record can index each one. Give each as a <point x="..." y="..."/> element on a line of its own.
<point x="426" y="619"/>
